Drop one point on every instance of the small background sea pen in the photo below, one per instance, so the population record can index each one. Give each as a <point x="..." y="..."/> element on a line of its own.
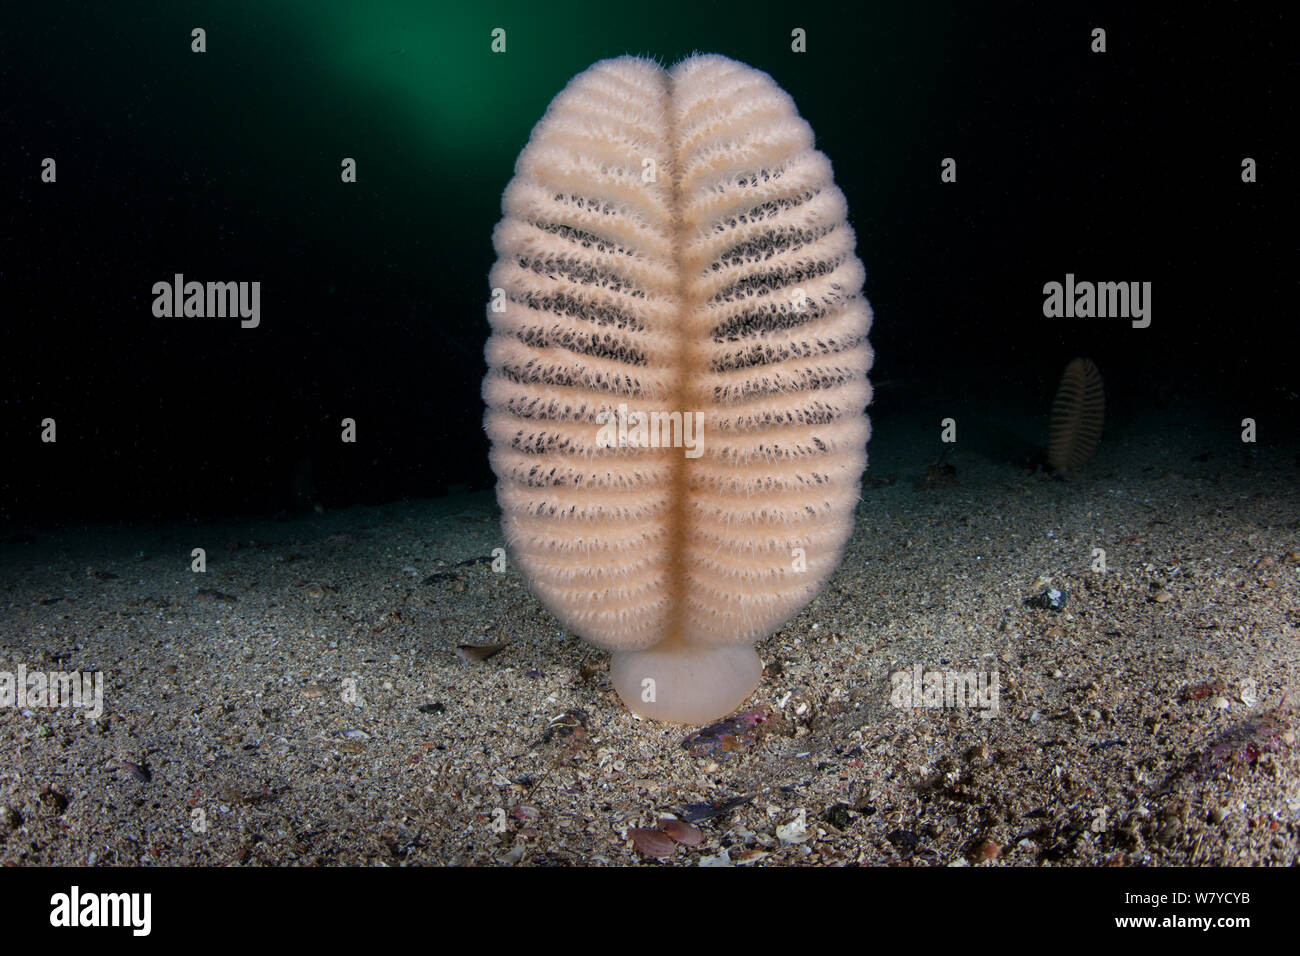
<point x="1077" y="415"/>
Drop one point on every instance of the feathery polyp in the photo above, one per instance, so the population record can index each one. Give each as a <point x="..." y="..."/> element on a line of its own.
<point x="674" y="247"/>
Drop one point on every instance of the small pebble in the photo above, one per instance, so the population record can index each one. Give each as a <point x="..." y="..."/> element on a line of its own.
<point x="514" y="856"/>
<point x="839" y="816"/>
<point x="726" y="737"/>
<point x="1050" y="599"/>
<point x="471" y="652"/>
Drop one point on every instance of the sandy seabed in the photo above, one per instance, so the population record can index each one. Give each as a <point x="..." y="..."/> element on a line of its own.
<point x="302" y="701"/>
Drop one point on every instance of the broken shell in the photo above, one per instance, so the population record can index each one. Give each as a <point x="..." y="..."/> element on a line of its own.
<point x="682" y="832"/>
<point x="652" y="843"/>
<point x="796" y="831"/>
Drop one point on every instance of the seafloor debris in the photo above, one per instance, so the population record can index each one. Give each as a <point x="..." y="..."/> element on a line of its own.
<point x="661" y="841"/>
<point x="1203" y="689"/>
<point x="840" y="816"/>
<point x="796" y="830"/>
<point x="738" y="732"/>
<point x="697" y="812"/>
<point x="1051" y="599"/>
<point x="682" y="832"/>
<point x="570" y="723"/>
<point x="1244" y="743"/>
<point x="472" y="652"/>
<point x="903" y="839"/>
<point x="652" y="843"/>
<point x="452" y="574"/>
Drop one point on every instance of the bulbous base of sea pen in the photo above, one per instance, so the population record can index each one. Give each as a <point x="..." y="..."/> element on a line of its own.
<point x="686" y="683"/>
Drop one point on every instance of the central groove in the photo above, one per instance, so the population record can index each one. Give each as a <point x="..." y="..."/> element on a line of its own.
<point x="682" y="395"/>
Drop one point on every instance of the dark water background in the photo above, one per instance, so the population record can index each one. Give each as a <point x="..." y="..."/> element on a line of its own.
<point x="223" y="166"/>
